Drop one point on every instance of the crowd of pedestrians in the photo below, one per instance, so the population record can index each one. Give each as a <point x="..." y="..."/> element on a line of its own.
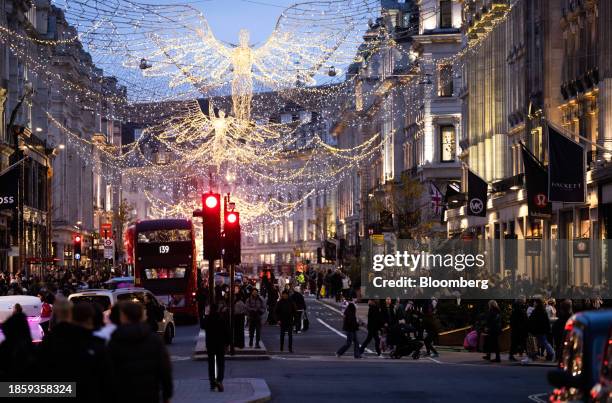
<point x="131" y="364"/>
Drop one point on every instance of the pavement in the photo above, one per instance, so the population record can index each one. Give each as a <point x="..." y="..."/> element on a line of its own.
<point x="314" y="374"/>
<point x="246" y="353"/>
<point x="243" y="390"/>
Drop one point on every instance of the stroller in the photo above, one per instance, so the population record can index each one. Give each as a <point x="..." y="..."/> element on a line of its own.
<point x="405" y="344"/>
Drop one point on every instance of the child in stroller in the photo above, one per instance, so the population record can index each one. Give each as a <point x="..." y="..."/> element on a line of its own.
<point x="402" y="337"/>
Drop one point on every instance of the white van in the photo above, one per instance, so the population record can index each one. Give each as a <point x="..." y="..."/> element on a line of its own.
<point x="107" y="298"/>
<point x="31" y="308"/>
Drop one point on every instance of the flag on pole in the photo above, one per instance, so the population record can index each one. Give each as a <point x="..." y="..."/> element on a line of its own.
<point x="566" y="169"/>
<point x="536" y="182"/>
<point x="436" y="199"/>
<point x="477" y="195"/>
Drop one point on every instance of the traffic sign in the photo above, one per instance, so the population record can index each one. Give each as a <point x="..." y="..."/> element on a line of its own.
<point x="77" y="256"/>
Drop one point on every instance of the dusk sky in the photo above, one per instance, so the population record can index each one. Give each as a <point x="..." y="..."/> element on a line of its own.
<point x="227" y="17"/>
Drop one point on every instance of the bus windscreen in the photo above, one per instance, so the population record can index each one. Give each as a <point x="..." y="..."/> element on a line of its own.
<point x="164" y="235"/>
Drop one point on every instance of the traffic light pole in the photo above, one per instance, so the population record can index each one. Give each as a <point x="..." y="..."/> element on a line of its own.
<point x="232" y="269"/>
<point x="211" y="282"/>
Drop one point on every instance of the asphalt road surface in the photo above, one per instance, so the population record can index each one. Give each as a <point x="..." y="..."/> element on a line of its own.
<point x="313" y="373"/>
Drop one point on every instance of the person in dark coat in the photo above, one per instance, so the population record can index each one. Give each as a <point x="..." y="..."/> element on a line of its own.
<point x="350" y="325"/>
<point x="271" y="303"/>
<point x="71" y="353"/>
<point x="539" y="326"/>
<point x="300" y="305"/>
<point x="17" y="358"/>
<point x="285" y="313"/>
<point x="430" y="325"/>
<point x="493" y="330"/>
<point x="389" y="314"/>
<point x="217" y="340"/>
<point x="255" y="309"/>
<point x="154" y="312"/>
<point x="518" y="328"/>
<point x="140" y="358"/>
<point x="374" y="325"/>
<point x="558" y="328"/>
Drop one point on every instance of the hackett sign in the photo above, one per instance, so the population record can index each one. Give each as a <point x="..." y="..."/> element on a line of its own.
<point x="566" y="170"/>
<point x="8" y="189"/>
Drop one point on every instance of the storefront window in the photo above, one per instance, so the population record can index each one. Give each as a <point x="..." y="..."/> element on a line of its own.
<point x="447" y="139"/>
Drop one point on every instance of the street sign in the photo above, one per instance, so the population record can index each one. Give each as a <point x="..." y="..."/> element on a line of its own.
<point x="106" y="230"/>
<point x="109" y="248"/>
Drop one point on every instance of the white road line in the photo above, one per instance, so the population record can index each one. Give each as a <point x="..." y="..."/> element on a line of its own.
<point x="434" y="360"/>
<point x="330" y="307"/>
<point x="536" y="397"/>
<point x="339" y="333"/>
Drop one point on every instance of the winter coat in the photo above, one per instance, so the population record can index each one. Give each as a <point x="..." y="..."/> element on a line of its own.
<point x="298" y="300"/>
<point x="71" y="353"/>
<point x="240" y="308"/>
<point x="518" y="320"/>
<point x="16" y="351"/>
<point x="255" y="307"/>
<point x="389" y="315"/>
<point x="142" y="364"/>
<point x="350" y="323"/>
<point x="285" y="311"/>
<point x="493" y="322"/>
<point x="374" y="318"/>
<point x="217" y="332"/>
<point x="539" y="322"/>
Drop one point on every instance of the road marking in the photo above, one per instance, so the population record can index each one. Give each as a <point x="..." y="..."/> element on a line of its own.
<point x="434" y="360"/>
<point x="339" y="333"/>
<point x="330" y="307"/>
<point x="179" y="358"/>
<point x="536" y="397"/>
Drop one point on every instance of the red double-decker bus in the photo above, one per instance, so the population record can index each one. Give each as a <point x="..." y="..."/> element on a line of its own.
<point x="164" y="262"/>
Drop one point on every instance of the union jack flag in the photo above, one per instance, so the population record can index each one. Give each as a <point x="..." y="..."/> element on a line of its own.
<point x="436" y="199"/>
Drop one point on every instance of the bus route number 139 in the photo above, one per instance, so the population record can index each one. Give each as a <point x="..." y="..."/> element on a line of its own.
<point x="164" y="249"/>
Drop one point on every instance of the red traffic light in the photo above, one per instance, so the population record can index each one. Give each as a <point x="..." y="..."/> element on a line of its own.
<point x="210" y="201"/>
<point x="232" y="218"/>
<point x="77" y="238"/>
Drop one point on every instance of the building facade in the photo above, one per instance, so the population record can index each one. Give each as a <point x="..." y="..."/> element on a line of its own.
<point x="525" y="65"/>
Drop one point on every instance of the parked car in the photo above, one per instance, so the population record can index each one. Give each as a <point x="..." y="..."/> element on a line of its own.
<point x="586" y="335"/>
<point x="108" y="298"/>
<point x="602" y="391"/>
<point x="32" y="308"/>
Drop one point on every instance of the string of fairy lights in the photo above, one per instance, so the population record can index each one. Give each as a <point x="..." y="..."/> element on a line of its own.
<point x="222" y="103"/>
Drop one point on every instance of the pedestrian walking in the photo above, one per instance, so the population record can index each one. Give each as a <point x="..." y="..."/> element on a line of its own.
<point x="17" y="360"/>
<point x="374" y="325"/>
<point x="492" y="332"/>
<point x="255" y="308"/>
<point x="240" y="312"/>
<point x="141" y="361"/>
<point x="350" y="325"/>
<point x="518" y="328"/>
<point x="431" y="328"/>
<point x="558" y="328"/>
<point x="300" y="305"/>
<point x="285" y="313"/>
<point x="273" y="296"/>
<point x="539" y="326"/>
<point x="71" y="353"/>
<point x="217" y="339"/>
